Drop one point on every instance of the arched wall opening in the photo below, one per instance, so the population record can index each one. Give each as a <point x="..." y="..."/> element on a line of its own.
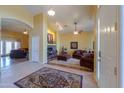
<point x="12" y="30"/>
<point x="17" y="13"/>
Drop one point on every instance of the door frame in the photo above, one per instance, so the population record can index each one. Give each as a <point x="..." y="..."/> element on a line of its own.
<point x="97" y="46"/>
<point x="121" y="47"/>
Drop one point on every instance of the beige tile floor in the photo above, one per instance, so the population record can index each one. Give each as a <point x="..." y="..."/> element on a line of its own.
<point x="7" y="61"/>
<point x="14" y="72"/>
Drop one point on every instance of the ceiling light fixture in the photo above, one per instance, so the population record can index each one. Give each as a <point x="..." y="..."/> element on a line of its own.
<point x="25" y="32"/>
<point x="75" y="32"/>
<point x="51" y="12"/>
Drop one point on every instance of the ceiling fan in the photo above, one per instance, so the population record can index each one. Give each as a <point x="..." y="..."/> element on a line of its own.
<point x="76" y="32"/>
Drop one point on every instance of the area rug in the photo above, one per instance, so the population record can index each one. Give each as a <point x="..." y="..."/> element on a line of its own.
<point x="50" y="78"/>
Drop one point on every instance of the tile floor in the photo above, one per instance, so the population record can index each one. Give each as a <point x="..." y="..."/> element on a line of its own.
<point x="14" y="72"/>
<point x="7" y="61"/>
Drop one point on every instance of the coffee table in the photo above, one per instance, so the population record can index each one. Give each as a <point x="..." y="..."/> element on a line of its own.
<point x="63" y="57"/>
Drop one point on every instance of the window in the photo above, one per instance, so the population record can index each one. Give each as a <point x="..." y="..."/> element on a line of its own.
<point x="16" y="45"/>
<point x="7" y="46"/>
<point x="1" y="47"/>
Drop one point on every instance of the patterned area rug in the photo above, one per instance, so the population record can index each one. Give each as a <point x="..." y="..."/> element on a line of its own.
<point x="50" y="78"/>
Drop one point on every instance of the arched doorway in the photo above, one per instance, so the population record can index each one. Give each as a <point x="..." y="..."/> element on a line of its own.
<point x="14" y="41"/>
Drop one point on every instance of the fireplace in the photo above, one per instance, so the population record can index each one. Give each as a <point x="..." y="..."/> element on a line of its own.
<point x="51" y="52"/>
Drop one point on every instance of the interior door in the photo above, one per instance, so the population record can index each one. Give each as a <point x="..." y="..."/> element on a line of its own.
<point x="108" y="46"/>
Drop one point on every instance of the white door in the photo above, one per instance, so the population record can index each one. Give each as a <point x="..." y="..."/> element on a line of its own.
<point x="35" y="49"/>
<point x="108" y="46"/>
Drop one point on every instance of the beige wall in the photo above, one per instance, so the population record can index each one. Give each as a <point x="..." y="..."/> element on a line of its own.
<point x="16" y="36"/>
<point x="84" y="39"/>
<point x="16" y="12"/>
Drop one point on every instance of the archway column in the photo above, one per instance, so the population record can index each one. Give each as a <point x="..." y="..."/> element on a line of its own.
<point x="38" y="39"/>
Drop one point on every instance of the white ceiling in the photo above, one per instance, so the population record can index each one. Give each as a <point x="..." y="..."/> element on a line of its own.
<point x="66" y="15"/>
<point x="13" y="25"/>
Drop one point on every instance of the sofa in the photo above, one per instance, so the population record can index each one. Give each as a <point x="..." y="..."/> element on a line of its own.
<point x="19" y="53"/>
<point x="88" y="61"/>
<point x="86" y="58"/>
<point x="78" y="54"/>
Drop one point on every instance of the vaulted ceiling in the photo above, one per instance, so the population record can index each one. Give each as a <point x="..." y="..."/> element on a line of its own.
<point x="66" y="15"/>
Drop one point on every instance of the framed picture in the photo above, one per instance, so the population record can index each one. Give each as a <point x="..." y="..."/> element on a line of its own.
<point x="74" y="45"/>
<point x="50" y="38"/>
